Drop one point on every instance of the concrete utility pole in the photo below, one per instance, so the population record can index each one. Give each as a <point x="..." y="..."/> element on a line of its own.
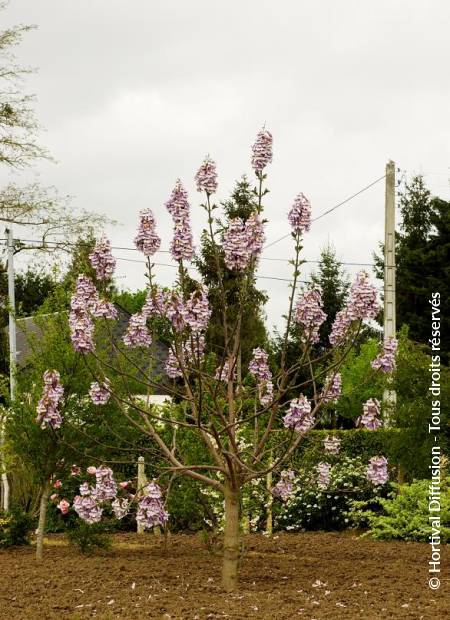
<point x="12" y="316"/>
<point x="389" y="396"/>
<point x="12" y="354"/>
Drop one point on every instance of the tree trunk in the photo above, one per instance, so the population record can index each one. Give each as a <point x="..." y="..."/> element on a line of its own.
<point x="41" y="524"/>
<point x="231" y="540"/>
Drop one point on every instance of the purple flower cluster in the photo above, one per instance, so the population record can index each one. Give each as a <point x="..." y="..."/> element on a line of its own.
<point x="48" y="413"/>
<point x="176" y="312"/>
<point x="243" y="242"/>
<point x="299" y="416"/>
<point x="172" y="366"/>
<point x="332" y="445"/>
<point x="370" y="417"/>
<point x="300" y="215"/>
<point x="87" y="507"/>
<point x="147" y="240"/>
<point x="103" y="309"/>
<point x="332" y="388"/>
<point x="105" y="485"/>
<point x="385" y="361"/>
<point x="259" y="368"/>
<point x="308" y="312"/>
<point x="102" y="260"/>
<point x="151" y="510"/>
<point x="156" y="303"/>
<point x="182" y="246"/>
<point x="377" y="472"/>
<point x="121" y="507"/>
<point x="262" y="150"/>
<point x="178" y="206"/>
<point x="363" y="302"/>
<point x="324" y="475"/>
<point x="340" y="327"/>
<point x="197" y="310"/>
<point x="284" y="487"/>
<point x="206" y="177"/>
<point x="81" y="325"/>
<point x="137" y="334"/>
<point x="100" y="393"/>
<point x="254" y="230"/>
<point x="235" y="245"/>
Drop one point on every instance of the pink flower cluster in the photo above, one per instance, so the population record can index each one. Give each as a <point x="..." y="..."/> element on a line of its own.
<point x="332" y="445"/>
<point x="284" y="487"/>
<point x="362" y="304"/>
<point x="262" y="151"/>
<point x="332" y="388"/>
<point x="178" y="206"/>
<point x="308" y="312"/>
<point x="300" y="215"/>
<point x="105" y="485"/>
<point x="102" y="260"/>
<point x="89" y="503"/>
<point x="370" y="417"/>
<point x="121" y="507"/>
<point x="385" y="361"/>
<point x="147" y="240"/>
<point x="103" y="309"/>
<point x="324" y="475"/>
<point x="156" y="302"/>
<point x="137" y="334"/>
<point x="81" y="325"/>
<point x="100" y="393"/>
<point x="48" y="413"/>
<point x="172" y="366"/>
<point x="206" y="177"/>
<point x="377" y="472"/>
<point x="259" y="368"/>
<point x="151" y="510"/>
<point x="340" y="327"/>
<point x="243" y="242"/>
<point x="299" y="417"/>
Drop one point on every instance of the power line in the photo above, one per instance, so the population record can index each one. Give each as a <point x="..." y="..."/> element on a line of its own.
<point x="331" y="209"/>
<point x="262" y="258"/>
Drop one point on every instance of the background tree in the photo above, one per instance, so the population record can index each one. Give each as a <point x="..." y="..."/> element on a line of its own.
<point x="334" y="283"/>
<point x="422" y="259"/>
<point x="240" y="205"/>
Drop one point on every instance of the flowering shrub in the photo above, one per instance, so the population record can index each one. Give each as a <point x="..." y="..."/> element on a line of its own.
<point x="320" y="502"/>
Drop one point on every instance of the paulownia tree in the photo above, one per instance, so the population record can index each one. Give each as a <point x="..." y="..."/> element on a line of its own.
<point x="217" y="404"/>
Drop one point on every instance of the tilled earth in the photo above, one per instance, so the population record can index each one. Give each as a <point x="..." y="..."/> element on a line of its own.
<point x="310" y="576"/>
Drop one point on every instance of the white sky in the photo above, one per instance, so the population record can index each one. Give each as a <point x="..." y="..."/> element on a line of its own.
<point x="134" y="94"/>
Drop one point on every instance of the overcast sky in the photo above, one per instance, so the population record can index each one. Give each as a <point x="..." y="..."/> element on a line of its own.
<point x="134" y="93"/>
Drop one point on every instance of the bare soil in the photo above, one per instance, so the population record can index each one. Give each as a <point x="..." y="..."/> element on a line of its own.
<point x="310" y="576"/>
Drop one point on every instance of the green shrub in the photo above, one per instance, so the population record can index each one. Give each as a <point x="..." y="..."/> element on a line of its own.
<point x="89" y="538"/>
<point x="15" y="528"/>
<point x="404" y="515"/>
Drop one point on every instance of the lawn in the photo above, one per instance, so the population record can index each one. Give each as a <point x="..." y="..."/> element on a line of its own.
<point x="310" y="575"/>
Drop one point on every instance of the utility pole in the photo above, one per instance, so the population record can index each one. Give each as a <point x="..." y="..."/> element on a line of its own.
<point x="12" y="316"/>
<point x="389" y="396"/>
<point x="12" y="356"/>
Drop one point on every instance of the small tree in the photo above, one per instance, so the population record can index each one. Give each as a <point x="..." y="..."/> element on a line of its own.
<point x="222" y="410"/>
